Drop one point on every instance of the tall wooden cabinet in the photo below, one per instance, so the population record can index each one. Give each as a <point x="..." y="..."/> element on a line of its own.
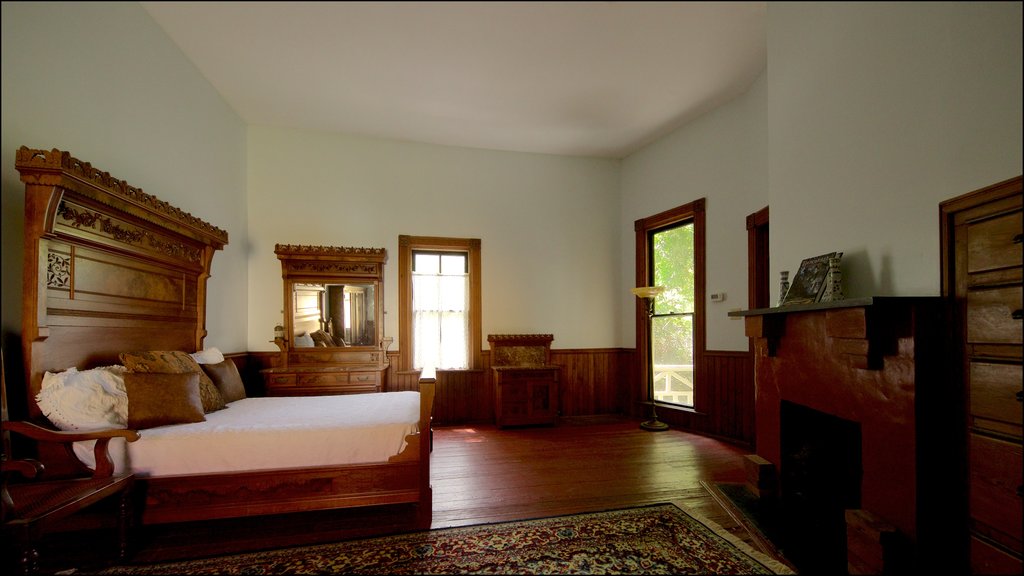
<point x="982" y="272"/>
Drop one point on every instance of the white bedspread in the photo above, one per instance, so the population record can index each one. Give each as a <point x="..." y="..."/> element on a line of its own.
<point x="279" y="432"/>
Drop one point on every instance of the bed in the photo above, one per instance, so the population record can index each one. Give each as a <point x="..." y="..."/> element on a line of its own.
<point x="111" y="270"/>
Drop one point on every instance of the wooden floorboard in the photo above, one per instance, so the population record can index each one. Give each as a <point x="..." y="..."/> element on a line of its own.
<point x="483" y="474"/>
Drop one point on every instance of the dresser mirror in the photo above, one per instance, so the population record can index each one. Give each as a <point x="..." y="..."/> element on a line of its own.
<point x="333" y="314"/>
<point x="332" y="297"/>
<point x="333" y="318"/>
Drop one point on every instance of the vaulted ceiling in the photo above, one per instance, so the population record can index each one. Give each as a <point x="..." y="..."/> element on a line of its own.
<point x="571" y="78"/>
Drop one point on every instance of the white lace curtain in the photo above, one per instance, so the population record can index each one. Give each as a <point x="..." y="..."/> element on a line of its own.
<point x="440" y="321"/>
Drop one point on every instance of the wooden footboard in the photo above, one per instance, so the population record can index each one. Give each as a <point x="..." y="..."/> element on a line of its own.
<point x="405" y="478"/>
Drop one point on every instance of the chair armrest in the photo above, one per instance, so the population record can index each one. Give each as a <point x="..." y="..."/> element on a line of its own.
<point x="104" y="463"/>
<point x="28" y="468"/>
<point x="37" y="432"/>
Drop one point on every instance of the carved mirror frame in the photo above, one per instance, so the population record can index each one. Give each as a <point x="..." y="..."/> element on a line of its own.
<point x="303" y="266"/>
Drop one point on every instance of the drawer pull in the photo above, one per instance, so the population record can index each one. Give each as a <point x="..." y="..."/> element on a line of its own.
<point x="1018" y="238"/>
<point x="1017" y="314"/>
<point x="1020" y="395"/>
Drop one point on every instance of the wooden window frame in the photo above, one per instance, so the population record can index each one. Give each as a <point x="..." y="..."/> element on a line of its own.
<point x="693" y="211"/>
<point x="406" y="246"/>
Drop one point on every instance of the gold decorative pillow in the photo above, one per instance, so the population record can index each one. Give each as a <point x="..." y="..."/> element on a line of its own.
<point x="159" y="399"/>
<point x="226" y="378"/>
<point x="175" y="362"/>
<point x="321" y="338"/>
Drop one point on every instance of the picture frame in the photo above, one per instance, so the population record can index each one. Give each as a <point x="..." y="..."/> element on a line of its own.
<point x="809" y="283"/>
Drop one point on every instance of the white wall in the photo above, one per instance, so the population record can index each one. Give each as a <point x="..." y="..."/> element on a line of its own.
<point x="548" y="225"/>
<point x="103" y="82"/>
<point x="868" y="116"/>
<point x="877" y="112"/>
<point x="722" y="157"/>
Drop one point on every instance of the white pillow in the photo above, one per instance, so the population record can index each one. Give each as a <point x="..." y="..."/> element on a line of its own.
<point x="208" y="356"/>
<point x="88" y="400"/>
<point x="304" y="340"/>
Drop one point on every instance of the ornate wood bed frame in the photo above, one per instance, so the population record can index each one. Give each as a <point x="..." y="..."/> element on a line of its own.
<point x="110" y="268"/>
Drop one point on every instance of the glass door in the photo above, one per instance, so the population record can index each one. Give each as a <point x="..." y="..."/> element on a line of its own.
<point x="672" y="323"/>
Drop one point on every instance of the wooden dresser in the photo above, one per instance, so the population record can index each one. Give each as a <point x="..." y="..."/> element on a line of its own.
<point x="333" y="340"/>
<point x="982" y="271"/>
<point x="525" y="382"/>
<point x="331" y="377"/>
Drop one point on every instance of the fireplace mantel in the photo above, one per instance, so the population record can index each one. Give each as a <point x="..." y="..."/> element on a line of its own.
<point x="863" y="329"/>
<point x="874" y="361"/>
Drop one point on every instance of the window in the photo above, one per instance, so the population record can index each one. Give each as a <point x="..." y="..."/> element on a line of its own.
<point x="672" y="322"/>
<point x="440" y="310"/>
<point x="670" y="342"/>
<point x="439" y="303"/>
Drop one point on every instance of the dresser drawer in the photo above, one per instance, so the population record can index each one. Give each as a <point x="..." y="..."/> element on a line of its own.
<point x="995" y="477"/>
<point x="990" y="315"/>
<point x="988" y="559"/>
<point x="321" y="380"/>
<point x="364" y="379"/>
<point x="990" y="244"/>
<point x="281" y="380"/>
<point x="994" y="403"/>
<point x="325" y="379"/>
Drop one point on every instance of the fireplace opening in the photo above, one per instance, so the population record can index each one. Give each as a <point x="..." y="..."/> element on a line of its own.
<point x="820" y="477"/>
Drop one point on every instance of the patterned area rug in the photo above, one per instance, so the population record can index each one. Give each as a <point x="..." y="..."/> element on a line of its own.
<point x="659" y="539"/>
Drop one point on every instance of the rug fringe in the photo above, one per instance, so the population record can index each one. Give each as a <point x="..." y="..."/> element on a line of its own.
<point x="769" y="562"/>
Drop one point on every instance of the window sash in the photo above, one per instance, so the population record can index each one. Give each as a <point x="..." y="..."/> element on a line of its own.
<point x="440" y="312"/>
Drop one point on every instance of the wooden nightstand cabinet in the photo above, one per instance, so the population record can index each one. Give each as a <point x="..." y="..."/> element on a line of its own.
<point x="525" y="395"/>
<point x="525" y="381"/>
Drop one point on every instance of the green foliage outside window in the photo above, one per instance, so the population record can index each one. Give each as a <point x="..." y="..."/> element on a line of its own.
<point x="672" y="325"/>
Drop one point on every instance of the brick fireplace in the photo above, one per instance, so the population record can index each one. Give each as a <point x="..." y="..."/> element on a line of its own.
<point x="856" y="413"/>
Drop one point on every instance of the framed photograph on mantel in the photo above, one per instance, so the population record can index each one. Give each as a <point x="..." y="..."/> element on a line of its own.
<point x="809" y="282"/>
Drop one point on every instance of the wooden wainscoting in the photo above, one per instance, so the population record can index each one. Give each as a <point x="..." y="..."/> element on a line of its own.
<point x="463" y="397"/>
<point x="593" y="381"/>
<point x="730" y="376"/>
<point x="402" y="380"/>
<point x="249" y="365"/>
<point x="727" y="402"/>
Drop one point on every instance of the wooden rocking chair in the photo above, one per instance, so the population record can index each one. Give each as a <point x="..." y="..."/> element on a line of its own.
<point x="37" y="505"/>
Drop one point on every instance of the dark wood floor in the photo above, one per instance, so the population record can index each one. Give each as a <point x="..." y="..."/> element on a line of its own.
<point x="482" y="474"/>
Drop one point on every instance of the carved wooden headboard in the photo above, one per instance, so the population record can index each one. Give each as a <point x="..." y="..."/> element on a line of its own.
<point x="108" y="269"/>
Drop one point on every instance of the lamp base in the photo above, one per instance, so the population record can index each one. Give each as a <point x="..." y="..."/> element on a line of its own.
<point x="654" y="425"/>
